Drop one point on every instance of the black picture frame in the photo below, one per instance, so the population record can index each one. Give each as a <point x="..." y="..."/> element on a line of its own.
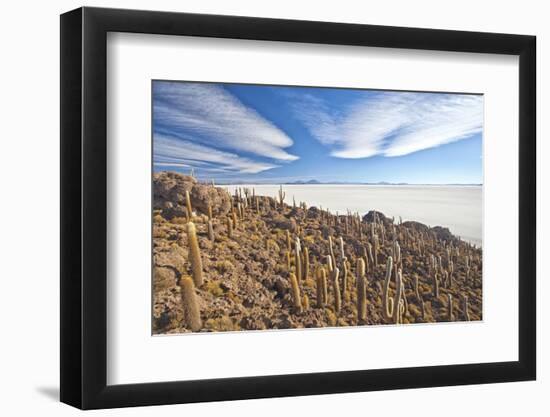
<point x="84" y="207"/>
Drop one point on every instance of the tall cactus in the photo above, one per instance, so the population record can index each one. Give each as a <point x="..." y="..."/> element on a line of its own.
<point x="209" y="212"/>
<point x="451" y="271"/>
<point x="306" y="262"/>
<point x="211" y="235"/>
<point x="371" y="257"/>
<point x="376" y="244"/>
<point x="295" y="290"/>
<point x="449" y="307"/>
<point x="229" y="225"/>
<point x="393" y="307"/>
<point x="336" y="290"/>
<point x="321" y="287"/>
<point x="465" y="308"/>
<point x="396" y="252"/>
<point x="342" y="252"/>
<point x="189" y="209"/>
<point x="190" y="306"/>
<point x="331" y="250"/>
<point x="297" y="260"/>
<point x="282" y="196"/>
<point x="366" y="258"/>
<point x="361" y="291"/>
<point x="345" y="281"/>
<point x="305" y="303"/>
<point x="194" y="254"/>
<point x="435" y="285"/>
<point x="330" y="264"/>
<point x="288" y="241"/>
<point x="388" y="309"/>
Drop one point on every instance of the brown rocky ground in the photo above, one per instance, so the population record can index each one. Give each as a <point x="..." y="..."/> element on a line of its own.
<point x="246" y="275"/>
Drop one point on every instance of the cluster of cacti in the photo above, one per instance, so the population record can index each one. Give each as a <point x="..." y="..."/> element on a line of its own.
<point x="392" y="270"/>
<point x="392" y="305"/>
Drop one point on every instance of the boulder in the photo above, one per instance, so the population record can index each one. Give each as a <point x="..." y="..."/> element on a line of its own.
<point x="163" y="278"/>
<point x="281" y="222"/>
<point x="171" y="187"/>
<point x="420" y="227"/>
<point x="169" y="190"/>
<point x="313" y="213"/>
<point x="443" y="233"/>
<point x="174" y="258"/>
<point x="369" y="217"/>
<point x="203" y="195"/>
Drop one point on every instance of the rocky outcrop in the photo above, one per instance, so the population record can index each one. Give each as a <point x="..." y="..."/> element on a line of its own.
<point x="169" y="190"/>
<point x="380" y="217"/>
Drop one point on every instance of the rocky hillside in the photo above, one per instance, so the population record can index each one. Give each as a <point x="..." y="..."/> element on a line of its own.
<point x="245" y="262"/>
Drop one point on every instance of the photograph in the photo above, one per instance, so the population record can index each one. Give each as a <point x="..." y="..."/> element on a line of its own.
<point x="295" y="207"/>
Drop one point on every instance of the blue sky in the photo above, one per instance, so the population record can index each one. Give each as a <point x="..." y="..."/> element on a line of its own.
<point x="273" y="134"/>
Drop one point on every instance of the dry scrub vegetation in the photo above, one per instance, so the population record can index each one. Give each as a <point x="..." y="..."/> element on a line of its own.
<point x="227" y="262"/>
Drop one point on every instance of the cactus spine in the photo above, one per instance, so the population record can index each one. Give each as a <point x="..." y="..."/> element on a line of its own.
<point x="295" y="289"/>
<point x="361" y="291"/>
<point x="194" y="254"/>
<point x="189" y="304"/>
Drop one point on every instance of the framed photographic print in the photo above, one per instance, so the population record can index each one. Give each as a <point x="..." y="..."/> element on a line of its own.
<point x="258" y="207"/>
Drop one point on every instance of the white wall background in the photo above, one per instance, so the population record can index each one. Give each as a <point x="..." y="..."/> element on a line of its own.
<point x="29" y="219"/>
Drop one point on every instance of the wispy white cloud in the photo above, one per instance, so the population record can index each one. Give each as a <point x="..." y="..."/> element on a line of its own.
<point x="176" y="152"/>
<point x="391" y="123"/>
<point x="211" y="114"/>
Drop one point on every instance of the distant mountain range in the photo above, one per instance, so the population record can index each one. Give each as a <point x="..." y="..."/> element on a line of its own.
<point x="313" y="182"/>
<point x="317" y="182"/>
